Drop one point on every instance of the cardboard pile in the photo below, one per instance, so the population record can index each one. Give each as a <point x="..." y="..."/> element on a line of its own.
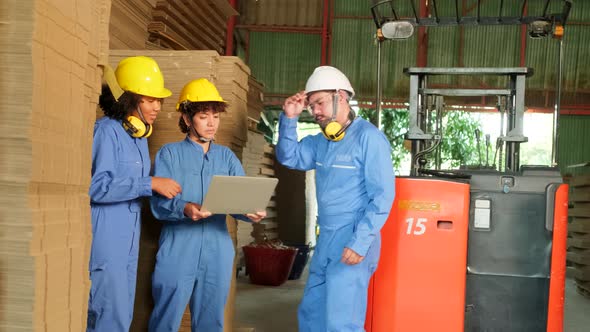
<point x="128" y="24"/>
<point x="190" y="25"/>
<point x="232" y="83"/>
<point x="258" y="160"/>
<point x="255" y="100"/>
<point x="267" y="229"/>
<point x="579" y="242"/>
<point x="50" y="53"/>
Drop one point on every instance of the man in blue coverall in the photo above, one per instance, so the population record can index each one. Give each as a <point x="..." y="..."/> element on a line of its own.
<point x="355" y="192"/>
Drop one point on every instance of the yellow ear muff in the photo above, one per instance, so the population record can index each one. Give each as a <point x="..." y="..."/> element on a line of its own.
<point x="333" y="131"/>
<point x="136" y="128"/>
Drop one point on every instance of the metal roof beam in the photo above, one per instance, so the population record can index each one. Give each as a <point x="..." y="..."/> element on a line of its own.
<point x="469" y="20"/>
<point x="459" y="19"/>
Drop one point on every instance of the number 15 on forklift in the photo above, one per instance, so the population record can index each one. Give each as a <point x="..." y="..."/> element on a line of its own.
<point x="416" y="228"/>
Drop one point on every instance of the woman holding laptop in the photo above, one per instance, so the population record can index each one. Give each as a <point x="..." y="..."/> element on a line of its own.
<point x="195" y="259"/>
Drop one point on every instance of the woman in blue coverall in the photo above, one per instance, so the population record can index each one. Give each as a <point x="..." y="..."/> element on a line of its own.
<point x="355" y="191"/>
<point x="120" y="177"/>
<point x="195" y="260"/>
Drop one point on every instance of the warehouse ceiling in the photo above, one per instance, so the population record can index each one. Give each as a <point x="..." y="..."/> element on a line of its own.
<point x="283" y="41"/>
<point x="391" y="10"/>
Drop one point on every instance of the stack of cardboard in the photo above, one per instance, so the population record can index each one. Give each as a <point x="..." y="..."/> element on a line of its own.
<point x="190" y="25"/>
<point x="268" y="228"/>
<point x="256" y="163"/>
<point x="50" y="81"/>
<point x="255" y="100"/>
<point x="232" y="83"/>
<point x="579" y="242"/>
<point x="129" y="21"/>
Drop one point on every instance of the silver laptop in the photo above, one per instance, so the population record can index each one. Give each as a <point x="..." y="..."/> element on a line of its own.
<point x="238" y="194"/>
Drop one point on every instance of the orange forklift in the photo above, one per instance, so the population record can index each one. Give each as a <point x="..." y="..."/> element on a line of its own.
<point x="479" y="248"/>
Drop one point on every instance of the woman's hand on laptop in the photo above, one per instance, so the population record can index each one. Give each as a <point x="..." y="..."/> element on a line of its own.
<point x="193" y="211"/>
<point x="256" y="217"/>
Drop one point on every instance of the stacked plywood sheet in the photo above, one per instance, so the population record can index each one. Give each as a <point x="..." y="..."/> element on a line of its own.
<point x="128" y="23"/>
<point x="579" y="242"/>
<point x="50" y="79"/>
<point x="190" y="25"/>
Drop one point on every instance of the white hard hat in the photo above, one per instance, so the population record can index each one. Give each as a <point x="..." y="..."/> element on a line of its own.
<point x="328" y="78"/>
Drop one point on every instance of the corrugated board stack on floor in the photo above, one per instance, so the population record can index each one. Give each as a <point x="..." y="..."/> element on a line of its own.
<point x="268" y="228"/>
<point x="255" y="102"/>
<point x="190" y="25"/>
<point x="232" y="83"/>
<point x="579" y="243"/>
<point x="256" y="163"/>
<point x="230" y="75"/>
<point x="50" y="81"/>
<point x="128" y="25"/>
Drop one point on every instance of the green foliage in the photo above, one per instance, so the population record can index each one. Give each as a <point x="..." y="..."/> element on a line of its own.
<point x="394" y="124"/>
<point x="458" y="146"/>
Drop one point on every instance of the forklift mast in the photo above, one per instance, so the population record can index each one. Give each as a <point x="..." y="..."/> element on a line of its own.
<point x="422" y="110"/>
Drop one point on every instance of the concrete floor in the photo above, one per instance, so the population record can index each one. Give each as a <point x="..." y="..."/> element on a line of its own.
<point x="274" y="309"/>
<point x="577" y="309"/>
<point x="267" y="308"/>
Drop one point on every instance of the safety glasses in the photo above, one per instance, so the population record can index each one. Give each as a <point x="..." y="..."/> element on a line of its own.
<point x="319" y="102"/>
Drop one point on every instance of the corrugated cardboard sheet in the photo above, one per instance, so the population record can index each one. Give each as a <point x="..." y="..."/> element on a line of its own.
<point x="50" y="81"/>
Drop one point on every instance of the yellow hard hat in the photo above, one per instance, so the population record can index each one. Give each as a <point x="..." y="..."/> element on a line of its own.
<point x="141" y="75"/>
<point x="199" y="90"/>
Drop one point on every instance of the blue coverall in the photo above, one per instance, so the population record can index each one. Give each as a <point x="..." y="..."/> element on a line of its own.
<point x="195" y="258"/>
<point x="120" y="176"/>
<point x="355" y="191"/>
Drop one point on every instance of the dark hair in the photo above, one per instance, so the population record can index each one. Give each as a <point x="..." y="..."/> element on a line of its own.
<point x="117" y="109"/>
<point x="191" y="108"/>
